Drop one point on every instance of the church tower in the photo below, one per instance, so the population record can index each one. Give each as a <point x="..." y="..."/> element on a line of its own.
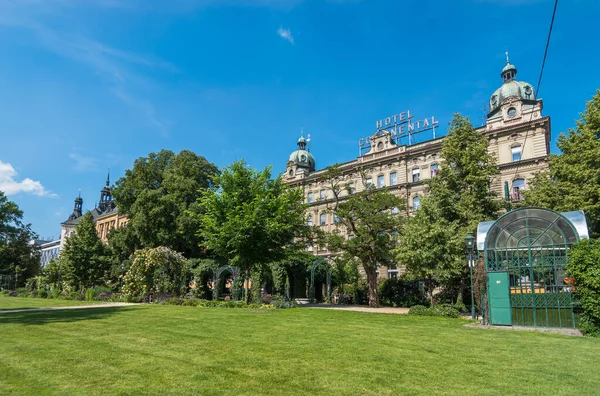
<point x="106" y="199"/>
<point x="77" y="208"/>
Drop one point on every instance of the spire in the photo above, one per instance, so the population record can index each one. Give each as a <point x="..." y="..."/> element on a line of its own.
<point x="108" y="178"/>
<point x="106" y="200"/>
<point x="509" y="71"/>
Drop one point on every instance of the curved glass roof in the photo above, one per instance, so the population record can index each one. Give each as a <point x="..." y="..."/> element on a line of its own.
<point x="532" y="227"/>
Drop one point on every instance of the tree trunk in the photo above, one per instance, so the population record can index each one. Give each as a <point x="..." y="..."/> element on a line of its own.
<point x="247" y="288"/>
<point x="372" y="283"/>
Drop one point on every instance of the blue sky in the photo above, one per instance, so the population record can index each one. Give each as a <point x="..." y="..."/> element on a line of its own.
<point x="90" y="84"/>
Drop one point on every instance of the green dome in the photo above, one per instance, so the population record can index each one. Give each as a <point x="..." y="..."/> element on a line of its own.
<point x="509" y="66"/>
<point x="511" y="88"/>
<point x="303" y="159"/>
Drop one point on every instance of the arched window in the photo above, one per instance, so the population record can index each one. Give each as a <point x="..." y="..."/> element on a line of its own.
<point x="416" y="203"/>
<point x="518" y="186"/>
<point x="309" y="221"/>
<point x="435" y="169"/>
<point x="393" y="179"/>
<point x="516" y="152"/>
<point x="416" y="175"/>
<point x="322" y="219"/>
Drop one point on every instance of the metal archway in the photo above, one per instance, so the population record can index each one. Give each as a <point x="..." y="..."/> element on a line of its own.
<point x="235" y="272"/>
<point x="312" y="280"/>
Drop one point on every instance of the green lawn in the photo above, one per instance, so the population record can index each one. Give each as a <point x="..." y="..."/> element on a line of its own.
<point x="7" y="303"/>
<point x="185" y="350"/>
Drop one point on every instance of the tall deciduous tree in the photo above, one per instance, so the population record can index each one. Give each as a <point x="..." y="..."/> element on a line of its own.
<point x="460" y="197"/>
<point x="84" y="256"/>
<point x="18" y="258"/>
<point x="160" y="196"/>
<point x="249" y="218"/>
<point x="369" y="224"/>
<point x="573" y="180"/>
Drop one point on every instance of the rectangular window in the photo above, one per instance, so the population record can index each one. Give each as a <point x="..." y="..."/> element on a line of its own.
<point x="322" y="219"/>
<point x="393" y="179"/>
<point x="434" y="170"/>
<point x="380" y="181"/>
<point x="336" y="219"/>
<point x="516" y="153"/>
<point x="416" y="175"/>
<point x="309" y="221"/>
<point x="351" y="188"/>
<point x="309" y="198"/>
<point x="323" y="194"/>
<point x="369" y="182"/>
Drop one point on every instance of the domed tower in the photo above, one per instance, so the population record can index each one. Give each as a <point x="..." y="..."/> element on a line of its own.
<point x="77" y="208"/>
<point x="513" y="99"/>
<point x="301" y="161"/>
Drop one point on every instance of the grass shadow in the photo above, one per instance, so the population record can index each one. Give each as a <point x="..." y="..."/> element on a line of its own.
<point x="55" y="316"/>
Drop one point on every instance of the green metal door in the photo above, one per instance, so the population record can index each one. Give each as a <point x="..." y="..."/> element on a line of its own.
<point x="499" y="298"/>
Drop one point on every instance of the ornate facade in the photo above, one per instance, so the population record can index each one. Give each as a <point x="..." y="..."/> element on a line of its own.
<point x="518" y="135"/>
<point x="105" y="214"/>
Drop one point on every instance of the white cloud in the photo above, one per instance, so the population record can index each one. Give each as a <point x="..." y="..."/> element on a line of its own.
<point x="10" y="186"/>
<point x="285" y="34"/>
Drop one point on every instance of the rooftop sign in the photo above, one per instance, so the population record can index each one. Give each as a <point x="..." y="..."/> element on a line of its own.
<point x="400" y="126"/>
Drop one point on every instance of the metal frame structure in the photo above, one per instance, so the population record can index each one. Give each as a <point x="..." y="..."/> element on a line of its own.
<point x="328" y="268"/>
<point x="526" y="254"/>
<point x="235" y="272"/>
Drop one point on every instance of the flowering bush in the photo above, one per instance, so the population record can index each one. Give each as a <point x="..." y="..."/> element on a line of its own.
<point x="156" y="271"/>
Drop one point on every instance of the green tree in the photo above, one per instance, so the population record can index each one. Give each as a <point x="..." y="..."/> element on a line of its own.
<point x="18" y="258"/>
<point x="584" y="267"/>
<point x="366" y="216"/>
<point x="573" y="180"/>
<point x="251" y="219"/>
<point x="84" y="257"/>
<point x="459" y="197"/>
<point x="160" y="197"/>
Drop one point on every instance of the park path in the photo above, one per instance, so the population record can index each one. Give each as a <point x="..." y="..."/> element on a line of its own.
<point x="67" y="307"/>
<point x="359" y="308"/>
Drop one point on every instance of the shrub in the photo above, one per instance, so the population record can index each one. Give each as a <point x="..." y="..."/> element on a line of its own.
<point x="56" y="293"/>
<point x="445" y="310"/>
<point x="420" y="310"/>
<point x="91" y="294"/>
<point x="41" y="293"/>
<point x="172" y="301"/>
<point x="394" y="292"/>
<point x="156" y="271"/>
<point x="74" y="296"/>
<point x="460" y="307"/>
<point x="4" y="293"/>
<point x="584" y="267"/>
<point x="280" y="302"/>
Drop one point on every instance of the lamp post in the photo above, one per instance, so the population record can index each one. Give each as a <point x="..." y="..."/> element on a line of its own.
<point x="469" y="244"/>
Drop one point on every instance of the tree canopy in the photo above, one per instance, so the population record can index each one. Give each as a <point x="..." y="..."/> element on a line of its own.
<point x="249" y="218"/>
<point x="459" y="197"/>
<point x="84" y="259"/>
<point x="18" y="258"/>
<point x="369" y="225"/>
<point x="573" y="180"/>
<point x="160" y="196"/>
